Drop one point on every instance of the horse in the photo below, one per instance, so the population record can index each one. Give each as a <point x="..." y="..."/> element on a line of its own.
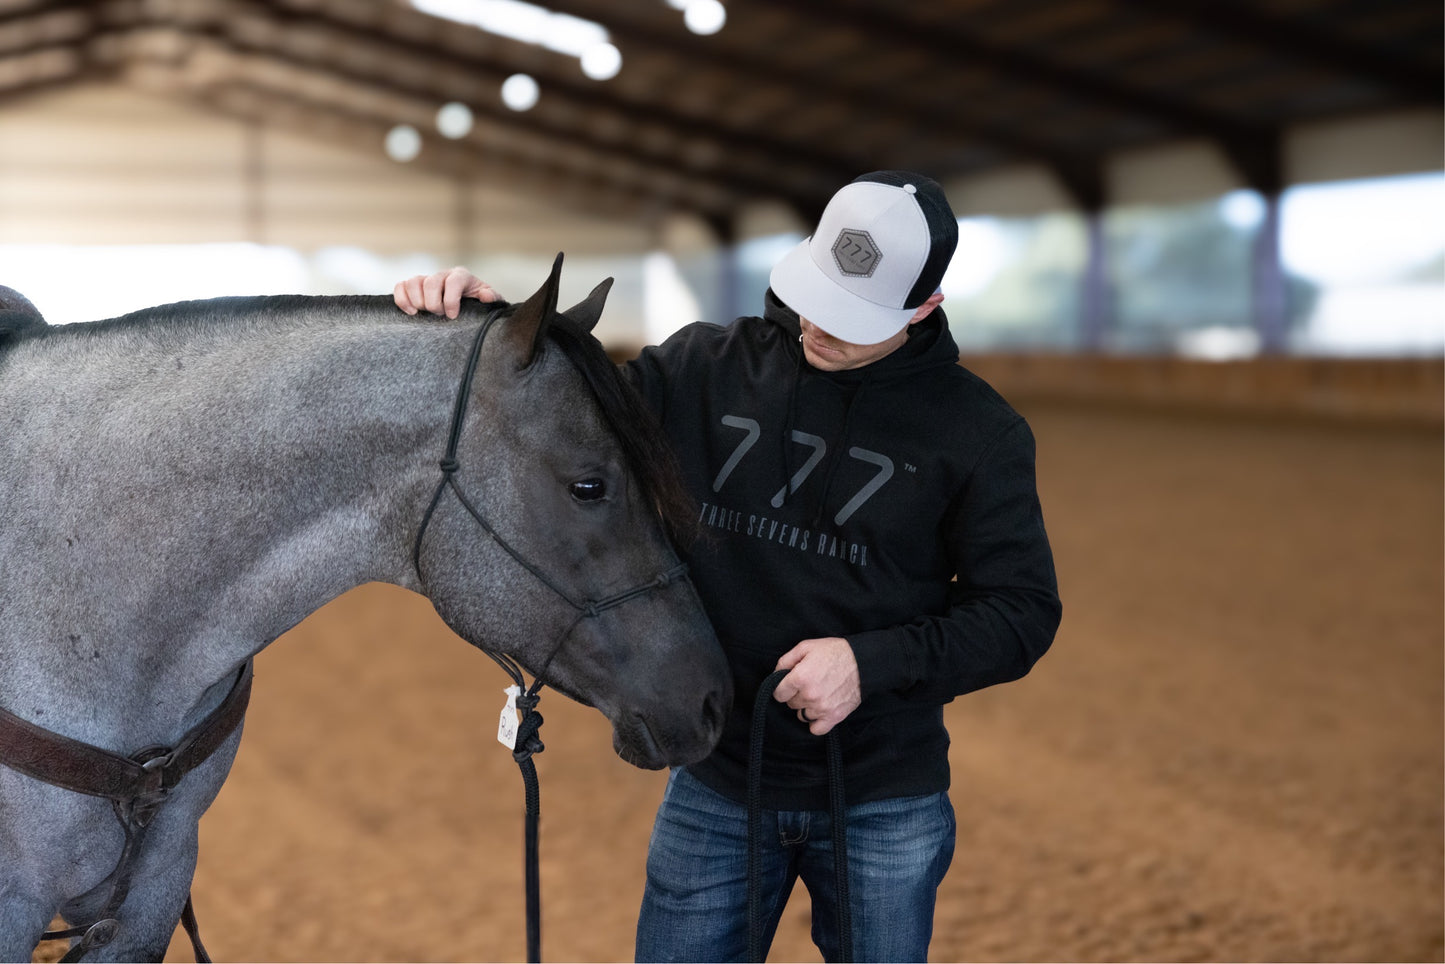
<point x="183" y="484"/>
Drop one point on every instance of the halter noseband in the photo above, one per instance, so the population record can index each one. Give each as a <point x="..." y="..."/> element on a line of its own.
<point x="586" y="608"/>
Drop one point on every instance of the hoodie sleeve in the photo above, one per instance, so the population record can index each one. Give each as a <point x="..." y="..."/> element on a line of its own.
<point x="657" y="368"/>
<point x="1004" y="604"/>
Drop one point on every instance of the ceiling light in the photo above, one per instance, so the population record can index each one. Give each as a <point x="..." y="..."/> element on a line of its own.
<point x="572" y="35"/>
<point x="403" y="143"/>
<point x="1242" y="209"/>
<point x="454" y="120"/>
<point x="705" y="16"/>
<point x="601" y="61"/>
<point x="520" y="92"/>
<point x="526" y="22"/>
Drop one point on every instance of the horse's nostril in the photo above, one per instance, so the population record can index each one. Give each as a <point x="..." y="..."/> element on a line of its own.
<point x="714" y="710"/>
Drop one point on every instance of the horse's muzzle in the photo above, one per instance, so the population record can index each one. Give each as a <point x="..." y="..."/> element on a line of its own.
<point x="640" y="743"/>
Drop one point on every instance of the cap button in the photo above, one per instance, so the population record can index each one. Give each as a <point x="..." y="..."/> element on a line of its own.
<point x="910" y="189"/>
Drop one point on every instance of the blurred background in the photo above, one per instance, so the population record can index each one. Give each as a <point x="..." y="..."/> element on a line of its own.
<point x="1202" y="248"/>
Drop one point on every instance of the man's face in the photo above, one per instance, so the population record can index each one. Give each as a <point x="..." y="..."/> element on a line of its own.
<point x="829" y="354"/>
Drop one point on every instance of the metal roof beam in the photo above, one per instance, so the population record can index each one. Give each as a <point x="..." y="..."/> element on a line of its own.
<point x="1244" y="143"/>
<point x="859" y="95"/>
<point x="1298" y="39"/>
<point x="530" y="122"/>
<point x="294" y="111"/>
<point x="589" y="94"/>
<point x="952" y="43"/>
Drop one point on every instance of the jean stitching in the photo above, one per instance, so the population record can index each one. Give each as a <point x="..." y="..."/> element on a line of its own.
<point x="786" y="836"/>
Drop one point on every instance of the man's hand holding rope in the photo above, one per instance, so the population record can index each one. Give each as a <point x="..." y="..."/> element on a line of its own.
<point x="822" y="682"/>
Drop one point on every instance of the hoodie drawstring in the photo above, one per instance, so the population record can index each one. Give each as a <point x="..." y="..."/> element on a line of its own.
<point x="787" y="436"/>
<point x="837" y="458"/>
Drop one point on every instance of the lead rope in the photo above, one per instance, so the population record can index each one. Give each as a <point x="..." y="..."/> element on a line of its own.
<point x="838" y="814"/>
<point x="528" y="740"/>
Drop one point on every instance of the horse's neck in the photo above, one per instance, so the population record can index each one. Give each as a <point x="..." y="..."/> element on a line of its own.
<point x="184" y="506"/>
<point x="320" y="482"/>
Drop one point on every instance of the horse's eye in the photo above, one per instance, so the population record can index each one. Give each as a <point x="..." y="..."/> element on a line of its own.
<point x="588" y="490"/>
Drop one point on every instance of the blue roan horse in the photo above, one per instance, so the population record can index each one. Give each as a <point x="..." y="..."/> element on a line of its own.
<point x="180" y="486"/>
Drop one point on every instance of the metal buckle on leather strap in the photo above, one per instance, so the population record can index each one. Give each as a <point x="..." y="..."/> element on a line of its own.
<point x="157" y="782"/>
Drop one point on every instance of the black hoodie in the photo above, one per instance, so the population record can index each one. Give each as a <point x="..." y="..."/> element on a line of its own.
<point x="904" y="473"/>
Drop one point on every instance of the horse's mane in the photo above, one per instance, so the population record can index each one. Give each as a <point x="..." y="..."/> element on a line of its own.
<point x="643" y="443"/>
<point x="224" y="315"/>
<point x="185" y="321"/>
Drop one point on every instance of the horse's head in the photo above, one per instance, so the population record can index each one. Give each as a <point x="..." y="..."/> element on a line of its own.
<point x="550" y="545"/>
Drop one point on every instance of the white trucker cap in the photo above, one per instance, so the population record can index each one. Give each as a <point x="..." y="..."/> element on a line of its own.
<point x="880" y="250"/>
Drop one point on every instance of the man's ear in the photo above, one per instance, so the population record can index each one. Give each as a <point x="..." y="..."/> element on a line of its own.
<point x="526" y="328"/>
<point x="586" y="312"/>
<point x="926" y="309"/>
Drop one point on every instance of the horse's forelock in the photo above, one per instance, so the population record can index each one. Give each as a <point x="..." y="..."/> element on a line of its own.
<point x="648" y="453"/>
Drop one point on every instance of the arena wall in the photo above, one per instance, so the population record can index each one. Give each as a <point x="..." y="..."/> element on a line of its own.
<point x="1409" y="390"/>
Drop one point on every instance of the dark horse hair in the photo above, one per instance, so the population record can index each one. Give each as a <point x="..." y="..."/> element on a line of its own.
<point x="644" y="445"/>
<point x="18" y="317"/>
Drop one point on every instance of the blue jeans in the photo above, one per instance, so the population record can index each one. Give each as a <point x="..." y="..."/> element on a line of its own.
<point x="695" y="907"/>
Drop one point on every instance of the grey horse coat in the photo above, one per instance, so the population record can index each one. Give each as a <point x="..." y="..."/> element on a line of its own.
<point x="181" y="486"/>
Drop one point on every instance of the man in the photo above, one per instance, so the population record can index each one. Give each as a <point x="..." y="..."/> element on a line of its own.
<point x="872" y="527"/>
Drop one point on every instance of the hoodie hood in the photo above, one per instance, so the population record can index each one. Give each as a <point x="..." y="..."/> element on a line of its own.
<point x="930" y="345"/>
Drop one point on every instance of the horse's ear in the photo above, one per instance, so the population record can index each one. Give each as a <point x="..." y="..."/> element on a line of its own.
<point x="527" y="327"/>
<point x="17" y="315"/>
<point x="18" y="307"/>
<point x="589" y="309"/>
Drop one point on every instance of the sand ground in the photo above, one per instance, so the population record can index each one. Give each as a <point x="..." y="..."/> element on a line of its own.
<point x="1233" y="752"/>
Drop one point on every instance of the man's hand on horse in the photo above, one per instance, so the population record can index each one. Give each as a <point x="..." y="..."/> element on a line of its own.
<point x="822" y="682"/>
<point x="441" y="293"/>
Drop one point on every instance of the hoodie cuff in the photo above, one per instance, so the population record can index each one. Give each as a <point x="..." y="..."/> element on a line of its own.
<point x="883" y="664"/>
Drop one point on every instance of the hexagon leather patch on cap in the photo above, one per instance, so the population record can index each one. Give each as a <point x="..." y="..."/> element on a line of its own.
<point x="855" y="253"/>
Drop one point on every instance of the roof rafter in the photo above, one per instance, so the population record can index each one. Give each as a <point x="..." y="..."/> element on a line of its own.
<point x="288" y="85"/>
<point x="650" y="164"/>
<point x="295" y="111"/>
<point x="1300" y="40"/>
<point x="586" y="94"/>
<point x="952" y="43"/>
<point x="805" y="85"/>
<point x="1237" y="137"/>
<point x="772" y="107"/>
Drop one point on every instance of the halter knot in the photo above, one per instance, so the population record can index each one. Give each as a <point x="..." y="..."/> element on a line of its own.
<point x="529" y="740"/>
<point x="450" y="465"/>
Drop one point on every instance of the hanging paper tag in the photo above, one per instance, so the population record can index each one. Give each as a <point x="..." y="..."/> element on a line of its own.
<point x="507" y="725"/>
